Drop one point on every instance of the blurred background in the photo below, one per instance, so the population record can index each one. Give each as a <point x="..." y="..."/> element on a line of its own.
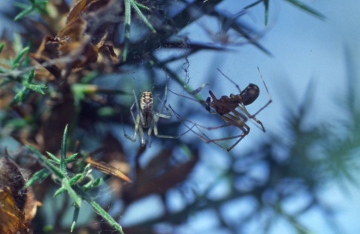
<point x="300" y="176"/>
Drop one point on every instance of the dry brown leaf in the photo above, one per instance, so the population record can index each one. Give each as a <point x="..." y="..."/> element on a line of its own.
<point x="17" y="204"/>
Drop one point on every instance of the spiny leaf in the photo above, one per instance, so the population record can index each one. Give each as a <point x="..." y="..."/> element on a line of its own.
<point x="75" y="218"/>
<point x="2" y="45"/>
<point x="31" y="76"/>
<point x="21" y="54"/>
<point x="24" y="13"/>
<point x="142" y="16"/>
<point x="46" y="163"/>
<point x="77" y="200"/>
<point x="99" y="210"/>
<point x="127" y="28"/>
<point x="306" y="8"/>
<point x="37" y="88"/>
<point x="74" y="180"/>
<point x="71" y="158"/>
<point x="20" y="96"/>
<point x="37" y="177"/>
<point x="35" y="5"/>
<point x="93" y="184"/>
<point x="53" y="157"/>
<point x="128" y="4"/>
<point x="266" y="4"/>
<point x="63" y="152"/>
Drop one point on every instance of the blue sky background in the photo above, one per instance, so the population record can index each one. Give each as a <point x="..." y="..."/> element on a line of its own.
<point x="305" y="50"/>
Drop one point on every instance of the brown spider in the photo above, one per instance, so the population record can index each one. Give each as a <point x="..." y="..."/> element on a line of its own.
<point x="233" y="111"/>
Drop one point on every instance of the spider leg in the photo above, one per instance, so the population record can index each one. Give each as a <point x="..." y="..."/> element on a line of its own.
<point x="232" y="120"/>
<point x="237" y="142"/>
<point x="233" y="82"/>
<point x="206" y="139"/>
<point x="132" y="112"/>
<point x="182" y="119"/>
<point x="238" y="119"/>
<point x="157" y="116"/>
<point x="202" y="102"/>
<point x="137" y="122"/>
<point x="149" y="136"/>
<point x="216" y="104"/>
<point x="262" y="108"/>
<point x="138" y="109"/>
<point x="136" y="129"/>
<point x="235" y="121"/>
<point x="258" y="122"/>
<point x="163" y="136"/>
<point x="165" y="95"/>
<point x="229" y="122"/>
<point x="168" y="115"/>
<point x="243" y="109"/>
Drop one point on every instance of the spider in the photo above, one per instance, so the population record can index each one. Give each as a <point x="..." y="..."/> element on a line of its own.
<point x="233" y="111"/>
<point x="223" y="36"/>
<point x="147" y="117"/>
<point x="232" y="31"/>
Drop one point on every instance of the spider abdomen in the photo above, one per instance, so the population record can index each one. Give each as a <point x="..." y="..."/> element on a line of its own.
<point x="249" y="94"/>
<point x="146" y="107"/>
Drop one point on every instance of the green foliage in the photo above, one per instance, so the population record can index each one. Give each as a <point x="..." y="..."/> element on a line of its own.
<point x="136" y="6"/>
<point x="306" y="8"/>
<point x="14" y="74"/>
<point x="36" y="5"/>
<point x="2" y="45"/>
<point x="27" y="85"/>
<point x="71" y="184"/>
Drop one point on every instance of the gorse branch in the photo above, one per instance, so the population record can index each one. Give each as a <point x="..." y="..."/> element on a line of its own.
<point x="71" y="184"/>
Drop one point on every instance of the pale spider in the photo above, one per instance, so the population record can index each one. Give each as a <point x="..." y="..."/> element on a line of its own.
<point x="222" y="36"/>
<point x="231" y="31"/>
<point x="232" y="110"/>
<point x="147" y="117"/>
